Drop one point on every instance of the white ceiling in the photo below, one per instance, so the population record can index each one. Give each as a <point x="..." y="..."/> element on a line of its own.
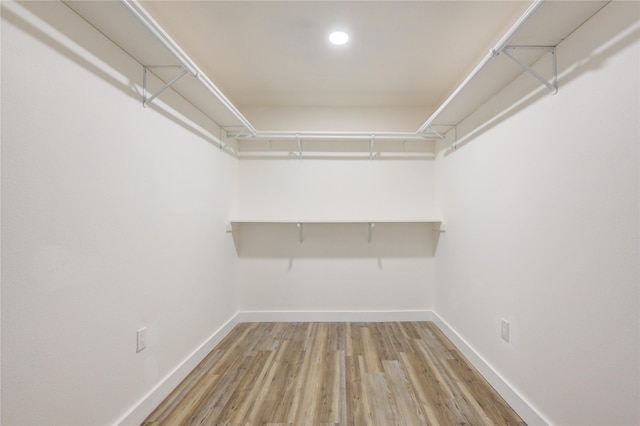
<point x="276" y="53"/>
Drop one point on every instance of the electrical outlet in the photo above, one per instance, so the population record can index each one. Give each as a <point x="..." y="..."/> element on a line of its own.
<point x="504" y="330"/>
<point x="142" y="339"/>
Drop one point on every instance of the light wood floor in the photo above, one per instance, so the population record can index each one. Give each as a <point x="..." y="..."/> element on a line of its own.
<point x="399" y="373"/>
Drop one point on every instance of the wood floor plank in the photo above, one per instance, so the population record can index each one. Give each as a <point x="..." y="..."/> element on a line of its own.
<point x="310" y="388"/>
<point x="380" y="405"/>
<point x="433" y="343"/>
<point x="247" y="406"/>
<point x="397" y="340"/>
<point x="184" y="389"/>
<point x="458" y="413"/>
<point x="337" y="336"/>
<point x="366" y="415"/>
<point x="354" y="340"/>
<point x="286" y="395"/>
<point x="329" y="403"/>
<point x="238" y="406"/>
<point x="426" y="387"/>
<point x="407" y="409"/>
<point x="470" y="400"/>
<point x="216" y="397"/>
<point x="409" y="330"/>
<point x="353" y="388"/>
<point x="264" y="399"/>
<point x="495" y="407"/>
<point x="370" y="351"/>
<point x="404" y="373"/>
<point x="381" y="341"/>
<point x="432" y="368"/>
<point x="342" y="388"/>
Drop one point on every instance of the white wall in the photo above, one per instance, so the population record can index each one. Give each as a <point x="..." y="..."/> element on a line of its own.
<point x="335" y="268"/>
<point x="337" y="118"/>
<point x="337" y="189"/>
<point x="542" y="210"/>
<point x="112" y="219"/>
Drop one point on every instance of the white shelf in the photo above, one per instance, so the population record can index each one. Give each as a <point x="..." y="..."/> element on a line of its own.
<point x="330" y="221"/>
<point x="551" y="23"/>
<point x="232" y="224"/>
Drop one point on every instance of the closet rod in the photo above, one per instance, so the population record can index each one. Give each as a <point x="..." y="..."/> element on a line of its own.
<point x="158" y="32"/>
<point x="495" y="51"/>
<point x="337" y="135"/>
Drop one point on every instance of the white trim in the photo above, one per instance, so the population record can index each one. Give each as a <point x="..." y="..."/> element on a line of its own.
<point x="153" y="398"/>
<point x="334" y="316"/>
<point x="519" y="404"/>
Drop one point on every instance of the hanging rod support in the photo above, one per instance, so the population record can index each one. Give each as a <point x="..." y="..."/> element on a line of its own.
<point x="299" y="145"/>
<point x="371" y="142"/>
<point x="147" y="100"/>
<point x="222" y="147"/>
<point x="435" y="132"/>
<point x="371" y="226"/>
<point x="553" y="84"/>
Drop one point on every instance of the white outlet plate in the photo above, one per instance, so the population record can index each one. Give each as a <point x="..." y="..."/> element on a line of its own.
<point x="141" y="339"/>
<point x="504" y="330"/>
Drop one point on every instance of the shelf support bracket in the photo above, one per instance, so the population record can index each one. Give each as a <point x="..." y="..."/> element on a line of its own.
<point x="300" y="231"/>
<point x="371" y="142"/>
<point x="553" y="83"/>
<point x="147" y="100"/>
<point x="442" y="137"/>
<point x="299" y="147"/>
<point x="371" y="226"/>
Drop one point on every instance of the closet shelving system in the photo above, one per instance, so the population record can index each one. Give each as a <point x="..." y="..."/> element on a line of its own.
<point x="533" y="36"/>
<point x="435" y="224"/>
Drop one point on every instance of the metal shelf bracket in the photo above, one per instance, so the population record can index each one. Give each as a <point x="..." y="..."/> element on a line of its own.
<point x="371" y="142"/>
<point x="300" y="231"/>
<point x="551" y="84"/>
<point x="147" y="100"/>
<point x="371" y="226"/>
<point x="299" y="147"/>
<point x="442" y="135"/>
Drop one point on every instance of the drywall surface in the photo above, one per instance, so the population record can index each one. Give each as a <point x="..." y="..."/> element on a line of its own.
<point x="335" y="267"/>
<point x="112" y="220"/>
<point x="337" y="189"/>
<point x="337" y="118"/>
<point x="542" y="209"/>
<point x="335" y="285"/>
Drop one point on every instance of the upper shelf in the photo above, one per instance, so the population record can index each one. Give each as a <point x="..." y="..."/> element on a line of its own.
<point x="115" y="20"/>
<point x="542" y="27"/>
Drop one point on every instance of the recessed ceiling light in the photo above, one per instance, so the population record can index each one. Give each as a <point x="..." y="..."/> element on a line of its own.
<point x="338" y="38"/>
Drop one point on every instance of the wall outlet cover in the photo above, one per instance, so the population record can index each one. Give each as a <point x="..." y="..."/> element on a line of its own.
<point x="504" y="330"/>
<point x="141" y="339"/>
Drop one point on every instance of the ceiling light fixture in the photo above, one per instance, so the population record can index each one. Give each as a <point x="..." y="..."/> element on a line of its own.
<point x="338" y="38"/>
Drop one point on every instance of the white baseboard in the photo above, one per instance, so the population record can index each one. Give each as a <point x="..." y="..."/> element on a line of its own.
<point x="151" y="400"/>
<point x="520" y="405"/>
<point x="333" y="316"/>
